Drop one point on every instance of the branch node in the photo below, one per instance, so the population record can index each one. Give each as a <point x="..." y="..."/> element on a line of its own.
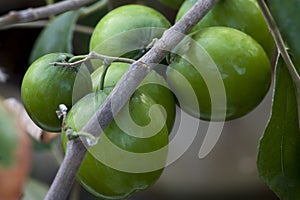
<point x="71" y="135"/>
<point x="34" y="13"/>
<point x="107" y="62"/>
<point x="144" y="65"/>
<point x="90" y="139"/>
<point x="62" y="113"/>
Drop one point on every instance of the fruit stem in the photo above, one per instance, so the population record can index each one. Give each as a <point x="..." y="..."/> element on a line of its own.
<point x="105" y="68"/>
<point x="91" y="140"/>
<point x="151" y="44"/>
<point x="77" y="60"/>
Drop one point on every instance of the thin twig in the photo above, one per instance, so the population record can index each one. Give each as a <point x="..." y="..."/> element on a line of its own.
<point x="42" y="23"/>
<point x="90" y="56"/>
<point x="121" y="94"/>
<point x="78" y="28"/>
<point x="282" y="50"/>
<point x="279" y="42"/>
<point x="33" y="14"/>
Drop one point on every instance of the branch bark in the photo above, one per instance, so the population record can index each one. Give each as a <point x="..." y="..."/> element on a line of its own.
<point x="121" y="94"/>
<point x="33" y="14"/>
<point x="279" y="42"/>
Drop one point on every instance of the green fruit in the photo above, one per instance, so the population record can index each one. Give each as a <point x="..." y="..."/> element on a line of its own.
<point x="45" y="87"/>
<point x="243" y="66"/>
<point x="128" y="31"/>
<point x="153" y="85"/>
<point x="172" y="3"/>
<point x="8" y="137"/>
<point x="123" y="175"/>
<point x="244" y="15"/>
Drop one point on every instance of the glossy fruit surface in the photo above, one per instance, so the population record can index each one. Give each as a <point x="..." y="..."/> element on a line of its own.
<point x="243" y="66"/>
<point x="244" y="15"/>
<point x="127" y="31"/>
<point x="153" y="85"/>
<point x="45" y="86"/>
<point x="118" y="178"/>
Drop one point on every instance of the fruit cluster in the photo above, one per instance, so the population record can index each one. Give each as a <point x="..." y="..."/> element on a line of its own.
<point x="220" y="71"/>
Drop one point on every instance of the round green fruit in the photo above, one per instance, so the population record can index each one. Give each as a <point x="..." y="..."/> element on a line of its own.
<point x="154" y="85"/>
<point x="128" y="169"/>
<point x="128" y="31"/>
<point x="244" y="15"/>
<point x="45" y="87"/>
<point x="241" y="63"/>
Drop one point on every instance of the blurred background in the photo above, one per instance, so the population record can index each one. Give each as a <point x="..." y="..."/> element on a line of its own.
<point x="227" y="172"/>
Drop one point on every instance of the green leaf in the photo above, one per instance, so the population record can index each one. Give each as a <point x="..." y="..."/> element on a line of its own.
<point x="279" y="151"/>
<point x="56" y="37"/>
<point x="34" y="190"/>
<point x="286" y="14"/>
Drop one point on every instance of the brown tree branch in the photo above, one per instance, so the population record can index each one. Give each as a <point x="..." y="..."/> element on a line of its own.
<point x="121" y="94"/>
<point x="33" y="14"/>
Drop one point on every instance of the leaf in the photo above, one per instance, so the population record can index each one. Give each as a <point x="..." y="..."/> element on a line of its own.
<point x="56" y="37"/>
<point x="287" y="15"/>
<point x="279" y="150"/>
<point x="34" y="190"/>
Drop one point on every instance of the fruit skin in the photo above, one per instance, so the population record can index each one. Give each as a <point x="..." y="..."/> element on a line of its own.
<point x="242" y="63"/>
<point x="127" y="31"/>
<point x="45" y="86"/>
<point x="159" y="92"/>
<point x="244" y="15"/>
<point x="104" y="181"/>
